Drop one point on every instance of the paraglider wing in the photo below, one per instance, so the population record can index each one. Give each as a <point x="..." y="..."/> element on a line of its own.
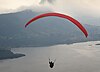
<point x="62" y="16"/>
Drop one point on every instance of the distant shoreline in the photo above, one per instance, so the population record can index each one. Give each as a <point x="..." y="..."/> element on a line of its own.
<point x="8" y="54"/>
<point x="58" y="44"/>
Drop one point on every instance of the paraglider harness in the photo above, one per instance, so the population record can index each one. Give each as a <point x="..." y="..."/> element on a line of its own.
<point x="51" y="64"/>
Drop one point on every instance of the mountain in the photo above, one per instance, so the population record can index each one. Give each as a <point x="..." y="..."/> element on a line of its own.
<point x="44" y="32"/>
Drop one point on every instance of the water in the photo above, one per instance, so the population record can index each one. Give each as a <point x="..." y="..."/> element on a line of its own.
<point x="69" y="58"/>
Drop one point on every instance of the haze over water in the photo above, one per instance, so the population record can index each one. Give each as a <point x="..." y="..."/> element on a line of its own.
<point x="80" y="57"/>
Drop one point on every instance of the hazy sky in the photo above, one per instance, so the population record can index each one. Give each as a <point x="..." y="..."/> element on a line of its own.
<point x="65" y="6"/>
<point x="76" y="8"/>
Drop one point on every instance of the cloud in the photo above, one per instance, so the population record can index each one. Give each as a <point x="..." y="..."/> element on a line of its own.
<point x="91" y="7"/>
<point x="12" y="5"/>
<point x="83" y="10"/>
<point x="49" y="1"/>
<point x="9" y="6"/>
<point x="71" y="7"/>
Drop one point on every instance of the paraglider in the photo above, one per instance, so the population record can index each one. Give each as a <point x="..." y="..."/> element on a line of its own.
<point x="79" y="25"/>
<point x="51" y="63"/>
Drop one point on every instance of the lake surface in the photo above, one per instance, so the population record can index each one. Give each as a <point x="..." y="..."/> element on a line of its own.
<point x="79" y="57"/>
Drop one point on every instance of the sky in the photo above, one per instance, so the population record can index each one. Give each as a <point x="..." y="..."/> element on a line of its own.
<point x="79" y="9"/>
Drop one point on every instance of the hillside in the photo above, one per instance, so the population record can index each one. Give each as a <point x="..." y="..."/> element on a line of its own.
<point x="44" y="32"/>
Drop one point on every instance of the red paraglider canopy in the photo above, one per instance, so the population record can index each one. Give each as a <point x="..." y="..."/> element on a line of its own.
<point x="62" y="16"/>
